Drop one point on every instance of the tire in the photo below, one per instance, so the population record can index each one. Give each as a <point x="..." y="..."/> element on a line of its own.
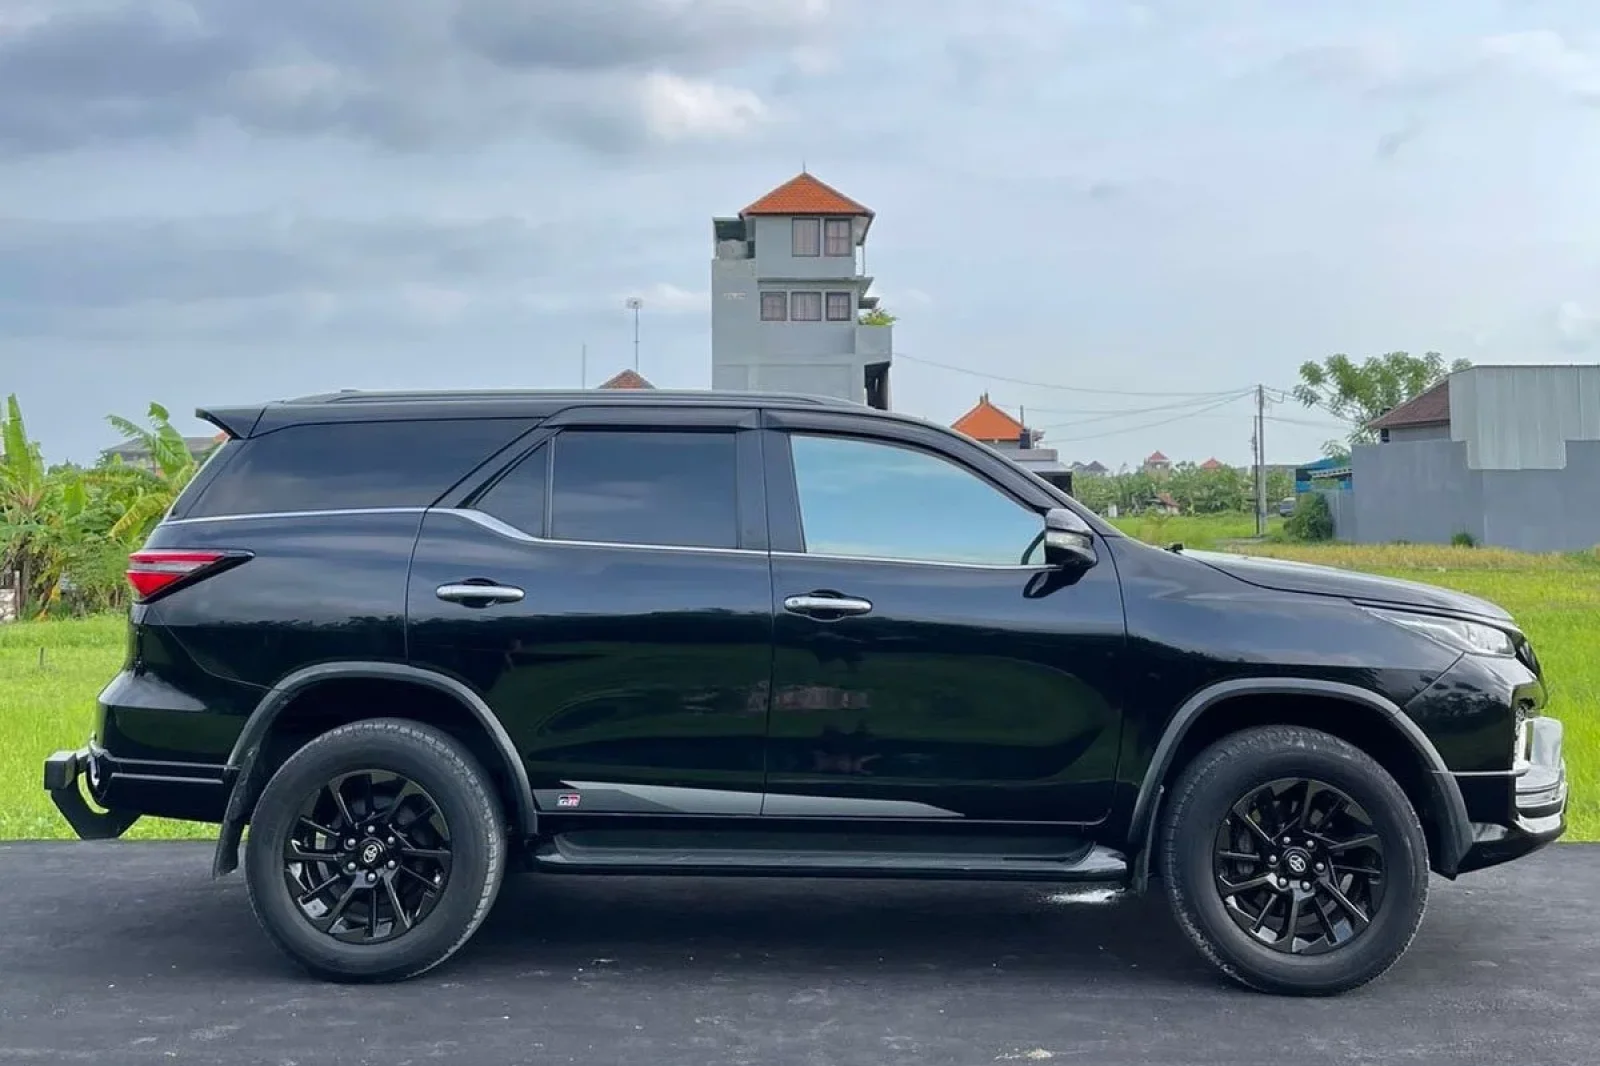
<point x="1202" y="839"/>
<point x="442" y="869"/>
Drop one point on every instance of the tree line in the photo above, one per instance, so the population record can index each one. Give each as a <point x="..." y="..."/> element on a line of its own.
<point x="1195" y="490"/>
<point x="66" y="530"/>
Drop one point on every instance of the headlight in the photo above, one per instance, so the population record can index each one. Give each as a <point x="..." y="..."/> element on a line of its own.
<point x="1474" y="638"/>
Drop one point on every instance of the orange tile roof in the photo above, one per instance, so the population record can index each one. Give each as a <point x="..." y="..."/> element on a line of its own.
<point x="1157" y="457"/>
<point x="627" y="379"/>
<point x="986" y="422"/>
<point x="805" y="195"/>
<point x="1211" y="464"/>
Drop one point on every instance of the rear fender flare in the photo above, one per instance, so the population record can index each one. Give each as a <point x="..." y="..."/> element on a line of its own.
<point x="246" y="774"/>
<point x="1455" y="830"/>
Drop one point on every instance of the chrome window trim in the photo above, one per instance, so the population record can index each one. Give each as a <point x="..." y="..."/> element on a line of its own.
<point x="505" y="529"/>
<point x="942" y="563"/>
<point x="269" y="515"/>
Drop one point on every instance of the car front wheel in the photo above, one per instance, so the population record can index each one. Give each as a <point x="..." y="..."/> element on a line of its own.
<point x="1294" y="861"/>
<point x="375" y="851"/>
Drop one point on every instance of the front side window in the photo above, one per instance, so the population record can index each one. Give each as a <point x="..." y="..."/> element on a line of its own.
<point x="808" y="236"/>
<point x="645" y="487"/>
<point x="872" y="499"/>
<point x="806" y="306"/>
<point x="839" y="306"/>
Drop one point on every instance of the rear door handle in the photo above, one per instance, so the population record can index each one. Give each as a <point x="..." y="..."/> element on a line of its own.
<point x="815" y="605"/>
<point x="476" y="595"/>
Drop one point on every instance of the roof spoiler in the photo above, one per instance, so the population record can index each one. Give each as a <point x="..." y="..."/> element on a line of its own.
<point x="237" y="422"/>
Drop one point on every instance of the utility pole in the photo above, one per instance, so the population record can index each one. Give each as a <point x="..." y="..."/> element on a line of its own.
<point x="1261" y="461"/>
<point x="583" y="372"/>
<point x="634" y="303"/>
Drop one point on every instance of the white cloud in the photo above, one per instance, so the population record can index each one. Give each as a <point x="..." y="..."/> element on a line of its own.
<point x="687" y="109"/>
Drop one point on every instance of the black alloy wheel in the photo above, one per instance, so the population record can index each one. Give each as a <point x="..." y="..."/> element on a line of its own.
<point x="369" y="856"/>
<point x="1294" y="862"/>
<point x="1299" y="866"/>
<point x="376" y="851"/>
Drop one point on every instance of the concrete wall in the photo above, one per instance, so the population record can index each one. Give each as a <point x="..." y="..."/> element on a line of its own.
<point x="1425" y="492"/>
<point x="1546" y="510"/>
<point x="1418" y="491"/>
<point x="1406" y="433"/>
<point x="1523" y="417"/>
<point x="774" y="237"/>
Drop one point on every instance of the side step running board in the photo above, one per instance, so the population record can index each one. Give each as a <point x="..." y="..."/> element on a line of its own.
<point x="766" y="854"/>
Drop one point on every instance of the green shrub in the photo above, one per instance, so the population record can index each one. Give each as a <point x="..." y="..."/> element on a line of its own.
<point x="1464" y="539"/>
<point x="1312" y="520"/>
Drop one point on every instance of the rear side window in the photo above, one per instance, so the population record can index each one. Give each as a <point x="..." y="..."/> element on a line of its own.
<point x="652" y="487"/>
<point x="518" y="498"/>
<point x="340" y="465"/>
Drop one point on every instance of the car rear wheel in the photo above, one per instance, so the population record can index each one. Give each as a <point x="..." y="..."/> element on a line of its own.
<point x="1293" y="861"/>
<point x="375" y="851"/>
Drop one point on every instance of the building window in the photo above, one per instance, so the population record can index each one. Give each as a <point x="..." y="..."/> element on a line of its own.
<point x="838" y="236"/>
<point x="808" y="236"/>
<point x="839" y="306"/>
<point x="806" y="306"/>
<point x="774" y="307"/>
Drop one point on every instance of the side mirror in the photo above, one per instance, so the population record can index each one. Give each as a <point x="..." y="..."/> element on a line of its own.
<point x="1068" y="540"/>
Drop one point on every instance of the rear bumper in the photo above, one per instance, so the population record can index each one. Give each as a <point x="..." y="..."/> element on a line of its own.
<point x="1522" y="810"/>
<point x="127" y="789"/>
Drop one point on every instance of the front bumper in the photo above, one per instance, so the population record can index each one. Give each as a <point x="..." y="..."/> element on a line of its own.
<point x="1533" y="797"/>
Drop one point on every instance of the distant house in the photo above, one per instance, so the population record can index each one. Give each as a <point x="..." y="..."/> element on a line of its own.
<point x="1505" y="455"/>
<point x="134" y="453"/>
<point x="988" y="424"/>
<point x="1211" y="464"/>
<point x="1094" y="468"/>
<point x="1157" y="463"/>
<point x="1163" y="503"/>
<point x="626" y="379"/>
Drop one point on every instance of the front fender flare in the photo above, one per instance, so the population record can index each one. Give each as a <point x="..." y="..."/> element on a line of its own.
<point x="246" y="775"/>
<point x="1455" y="829"/>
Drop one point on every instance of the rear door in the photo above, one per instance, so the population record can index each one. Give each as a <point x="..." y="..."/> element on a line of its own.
<point x="609" y="594"/>
<point x="928" y="664"/>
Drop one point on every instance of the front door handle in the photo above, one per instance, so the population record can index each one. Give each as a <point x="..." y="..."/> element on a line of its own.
<point x="826" y="606"/>
<point x="479" y="595"/>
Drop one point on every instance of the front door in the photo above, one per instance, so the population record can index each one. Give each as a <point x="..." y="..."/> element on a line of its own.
<point x="609" y="595"/>
<point x="928" y="664"/>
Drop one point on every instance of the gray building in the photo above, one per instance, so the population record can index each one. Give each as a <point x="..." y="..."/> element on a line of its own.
<point x="788" y="289"/>
<point x="1508" y="455"/>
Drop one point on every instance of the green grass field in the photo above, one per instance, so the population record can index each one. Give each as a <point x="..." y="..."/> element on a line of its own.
<point x="50" y="672"/>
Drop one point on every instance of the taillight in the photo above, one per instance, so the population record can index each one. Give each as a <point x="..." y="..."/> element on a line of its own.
<point x="152" y="571"/>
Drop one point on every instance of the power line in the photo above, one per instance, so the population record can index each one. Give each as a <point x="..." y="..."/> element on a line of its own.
<point x="1195" y="409"/>
<point x="1154" y="425"/>
<point x="1050" y="385"/>
<point x="1119" y="412"/>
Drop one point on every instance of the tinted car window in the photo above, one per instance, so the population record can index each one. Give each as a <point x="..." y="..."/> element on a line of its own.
<point x="865" y="498"/>
<point x="518" y="497"/>
<point x="631" y="487"/>
<point x="353" y="464"/>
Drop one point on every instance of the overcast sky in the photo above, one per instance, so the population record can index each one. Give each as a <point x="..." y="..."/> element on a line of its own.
<point x="231" y="200"/>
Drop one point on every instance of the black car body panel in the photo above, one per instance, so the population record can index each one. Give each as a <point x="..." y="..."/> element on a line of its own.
<point x="689" y="646"/>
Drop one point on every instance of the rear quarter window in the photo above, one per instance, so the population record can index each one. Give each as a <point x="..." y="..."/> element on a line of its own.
<point x="344" y="465"/>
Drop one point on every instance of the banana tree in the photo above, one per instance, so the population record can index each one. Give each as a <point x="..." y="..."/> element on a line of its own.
<point x="146" y="493"/>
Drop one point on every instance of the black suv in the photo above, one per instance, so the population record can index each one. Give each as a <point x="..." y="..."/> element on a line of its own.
<point x="411" y="639"/>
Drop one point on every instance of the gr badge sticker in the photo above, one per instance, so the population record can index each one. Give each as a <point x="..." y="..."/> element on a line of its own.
<point x="568" y="799"/>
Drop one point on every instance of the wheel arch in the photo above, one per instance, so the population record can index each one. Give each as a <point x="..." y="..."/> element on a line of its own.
<point x="1373" y="723"/>
<point x="305" y="703"/>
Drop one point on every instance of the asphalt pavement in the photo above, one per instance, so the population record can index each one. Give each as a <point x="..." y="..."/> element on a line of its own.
<point x="131" y="953"/>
